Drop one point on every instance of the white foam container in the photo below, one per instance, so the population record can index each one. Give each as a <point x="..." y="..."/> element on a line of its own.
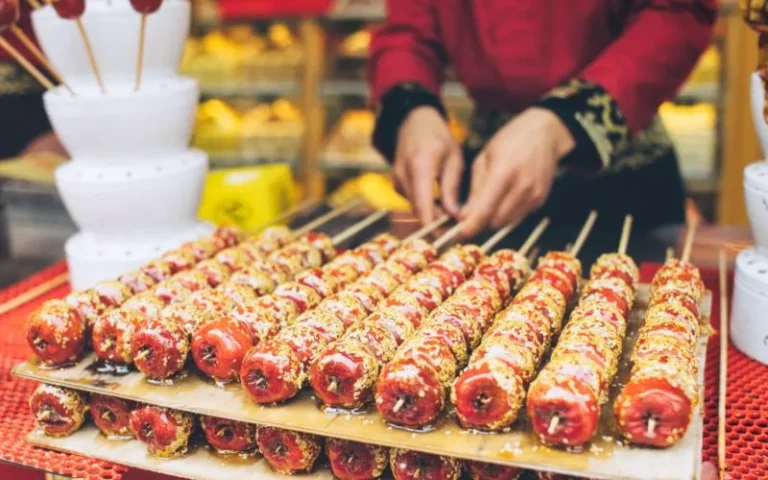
<point x="749" y="323"/>
<point x="113" y="29"/>
<point x="91" y="261"/>
<point x="153" y="199"/>
<point x="124" y="126"/>
<point x="757" y="93"/>
<point x="756" y="199"/>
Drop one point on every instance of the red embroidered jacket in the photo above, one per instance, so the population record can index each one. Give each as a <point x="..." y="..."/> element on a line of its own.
<point x="510" y="53"/>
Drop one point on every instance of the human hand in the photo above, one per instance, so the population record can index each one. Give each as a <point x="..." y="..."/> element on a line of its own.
<point x="513" y="174"/>
<point x="426" y="152"/>
<point x="45" y="143"/>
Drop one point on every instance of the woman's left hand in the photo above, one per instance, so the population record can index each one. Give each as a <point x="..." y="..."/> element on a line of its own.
<point x="513" y="175"/>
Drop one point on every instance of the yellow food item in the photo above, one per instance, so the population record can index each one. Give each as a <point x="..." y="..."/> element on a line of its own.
<point x="217" y="127"/>
<point x="376" y="189"/>
<point x="248" y="197"/>
<point x="357" y="43"/>
<point x="280" y="36"/>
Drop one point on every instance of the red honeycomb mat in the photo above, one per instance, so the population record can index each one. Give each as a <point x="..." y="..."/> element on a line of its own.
<point x="747" y="412"/>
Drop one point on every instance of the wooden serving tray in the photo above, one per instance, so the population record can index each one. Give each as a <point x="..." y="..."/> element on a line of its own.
<point x="201" y="464"/>
<point x="605" y="458"/>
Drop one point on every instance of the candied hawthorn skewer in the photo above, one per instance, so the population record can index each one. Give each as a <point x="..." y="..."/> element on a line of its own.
<point x="56" y="333"/>
<point x="656" y="405"/>
<point x="161" y="346"/>
<point x="229" y="436"/>
<point x="315" y="328"/>
<point x="112" y="415"/>
<point x="409" y="465"/>
<point x="411" y="389"/>
<point x="356" y="461"/>
<point x="58" y="412"/>
<point x="165" y="432"/>
<point x="490" y="391"/>
<point x="344" y="374"/>
<point x="565" y="399"/>
<point x="218" y="348"/>
<point x="286" y="451"/>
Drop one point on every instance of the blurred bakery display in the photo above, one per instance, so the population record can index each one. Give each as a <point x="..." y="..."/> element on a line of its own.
<point x="288" y="85"/>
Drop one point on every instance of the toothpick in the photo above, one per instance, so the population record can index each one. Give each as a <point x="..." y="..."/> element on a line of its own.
<point x="447" y="237"/>
<point x="584" y="233"/>
<point x="428" y="228"/>
<point x="140" y="57"/>
<point x="534" y="236"/>
<point x="336" y="212"/>
<point x="651" y="432"/>
<point x="359" y="227"/>
<point x="553" y="424"/>
<point x="689" y="236"/>
<point x="89" y="51"/>
<point x="30" y="45"/>
<point x="625" y="231"/>
<point x="723" y="364"/>
<point x="496" y="237"/>
<point x="31" y="69"/>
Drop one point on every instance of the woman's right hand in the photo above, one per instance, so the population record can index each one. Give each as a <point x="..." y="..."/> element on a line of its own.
<point x="426" y="151"/>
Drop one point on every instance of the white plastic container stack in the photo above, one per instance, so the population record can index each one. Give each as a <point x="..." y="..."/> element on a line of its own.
<point x="133" y="185"/>
<point x="749" y="323"/>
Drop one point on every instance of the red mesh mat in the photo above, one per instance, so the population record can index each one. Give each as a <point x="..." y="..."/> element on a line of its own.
<point x="747" y="428"/>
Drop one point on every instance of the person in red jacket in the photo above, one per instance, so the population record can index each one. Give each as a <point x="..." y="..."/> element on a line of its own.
<point x="566" y="95"/>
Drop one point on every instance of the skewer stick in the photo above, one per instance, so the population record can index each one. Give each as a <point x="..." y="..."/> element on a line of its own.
<point x="651" y="432"/>
<point x="553" y="424"/>
<point x="34" y="4"/>
<point x="33" y="293"/>
<point x="426" y="229"/>
<point x="576" y="248"/>
<point x="496" y="237"/>
<point x="333" y="387"/>
<point x="399" y="404"/>
<point x="533" y="255"/>
<point x="140" y="57"/>
<point x="31" y="69"/>
<point x="89" y="51"/>
<point x="534" y="236"/>
<point x="689" y="236"/>
<point x="359" y="227"/>
<point x="336" y="212"/>
<point x="286" y="214"/>
<point x="30" y="45"/>
<point x="723" y="365"/>
<point x="44" y="415"/>
<point x="107" y="415"/>
<point x="670" y="254"/>
<point x="107" y="344"/>
<point x="625" y="231"/>
<point x="142" y="354"/>
<point x="447" y="236"/>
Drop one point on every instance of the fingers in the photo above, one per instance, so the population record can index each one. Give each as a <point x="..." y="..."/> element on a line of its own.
<point x="422" y="173"/>
<point x="450" y="182"/>
<point x="483" y="202"/>
<point x="477" y="180"/>
<point x="517" y="204"/>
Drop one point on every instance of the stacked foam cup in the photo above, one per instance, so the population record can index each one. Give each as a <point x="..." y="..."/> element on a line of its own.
<point x="749" y="329"/>
<point x="133" y="185"/>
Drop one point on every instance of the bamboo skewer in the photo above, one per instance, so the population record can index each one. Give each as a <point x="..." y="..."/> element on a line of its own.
<point x="625" y="233"/>
<point x="35" y="292"/>
<point x="496" y="237"/>
<point x="534" y="236"/>
<point x="359" y="227"/>
<point x="428" y="228"/>
<point x="447" y="236"/>
<point x="670" y="254"/>
<point x="689" y="236"/>
<point x="336" y="212"/>
<point x="34" y="4"/>
<point x="723" y="365"/>
<point x="582" y="238"/>
<point x="31" y="69"/>
<point x="140" y="57"/>
<point x="30" y="45"/>
<point x="89" y="51"/>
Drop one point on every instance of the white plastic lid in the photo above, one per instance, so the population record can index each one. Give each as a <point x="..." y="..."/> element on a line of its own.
<point x="752" y="272"/>
<point x="756" y="176"/>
